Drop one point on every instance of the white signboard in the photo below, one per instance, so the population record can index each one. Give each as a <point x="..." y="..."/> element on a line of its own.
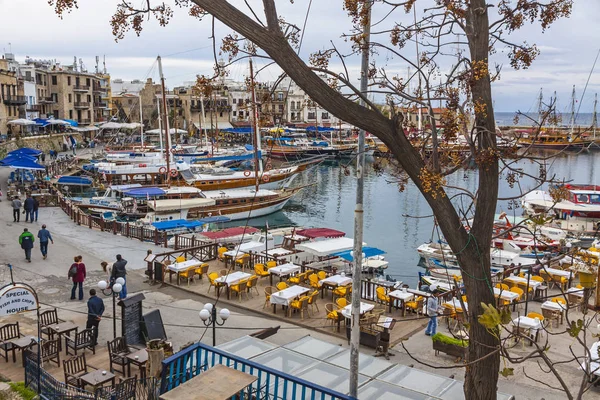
<point x="15" y="299"/>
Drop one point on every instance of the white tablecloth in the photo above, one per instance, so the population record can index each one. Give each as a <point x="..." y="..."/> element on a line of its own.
<point x="233" y="278"/>
<point x="505" y="294"/>
<point x="517" y="279"/>
<point x="182" y="266"/>
<point x="455" y="303"/>
<point x="285" y="269"/>
<point x="595" y="364"/>
<point x="559" y="272"/>
<point x="337" y="280"/>
<point x="399" y="294"/>
<point x="528" y="323"/>
<point x="279" y="251"/>
<point x="575" y="291"/>
<point x="283" y="297"/>
<point x="553" y="306"/>
<point x="364" y="308"/>
<point x="234" y="253"/>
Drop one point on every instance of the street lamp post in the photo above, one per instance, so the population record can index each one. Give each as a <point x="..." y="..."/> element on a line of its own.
<point x="208" y="315"/>
<point x="112" y="291"/>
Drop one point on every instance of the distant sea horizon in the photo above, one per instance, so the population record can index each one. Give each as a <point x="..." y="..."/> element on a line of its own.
<point x="508" y="119"/>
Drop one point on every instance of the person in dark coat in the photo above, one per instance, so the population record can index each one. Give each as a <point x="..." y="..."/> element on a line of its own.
<point x="36" y="207"/>
<point x="26" y="241"/>
<point x="28" y="207"/>
<point x="16" y="205"/>
<point x="77" y="273"/>
<point x="45" y="237"/>
<point x="118" y="271"/>
<point x="95" y="310"/>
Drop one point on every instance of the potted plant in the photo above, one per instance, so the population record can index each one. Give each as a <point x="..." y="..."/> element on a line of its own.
<point x="450" y="345"/>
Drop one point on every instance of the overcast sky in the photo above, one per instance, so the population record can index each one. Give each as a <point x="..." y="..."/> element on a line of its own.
<point x="30" y="28"/>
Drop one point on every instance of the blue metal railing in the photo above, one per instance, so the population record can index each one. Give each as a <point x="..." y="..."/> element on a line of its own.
<point x="270" y="385"/>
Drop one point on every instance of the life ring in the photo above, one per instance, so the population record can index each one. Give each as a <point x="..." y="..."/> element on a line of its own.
<point x="247" y="173"/>
<point x="269" y="166"/>
<point x="142" y="165"/>
<point x="173" y="151"/>
<point x="265" y="178"/>
<point x="162" y="170"/>
<point x="174" y="173"/>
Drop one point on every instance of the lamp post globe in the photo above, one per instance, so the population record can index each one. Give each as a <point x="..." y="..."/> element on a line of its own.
<point x="208" y="307"/>
<point x="204" y="314"/>
<point x="117" y="287"/>
<point x="120" y="281"/>
<point x="102" y="285"/>
<point x="224" y="314"/>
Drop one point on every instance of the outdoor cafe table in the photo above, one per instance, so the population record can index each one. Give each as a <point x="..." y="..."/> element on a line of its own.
<point x="283" y="270"/>
<point x="283" y="297"/>
<point x="575" y="291"/>
<point x="232" y="279"/>
<point x="595" y="361"/>
<point x="364" y="308"/>
<point x="455" y="305"/>
<point x="61" y="329"/>
<point x="97" y="378"/>
<point x="400" y="296"/>
<point x="180" y="267"/>
<point x="523" y="281"/>
<point x="534" y="325"/>
<point x="138" y="358"/>
<point x="24" y="343"/>
<point x="335" y="281"/>
<point x="554" y="306"/>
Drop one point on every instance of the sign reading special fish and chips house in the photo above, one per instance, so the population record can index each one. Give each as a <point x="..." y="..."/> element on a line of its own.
<point x="16" y="298"/>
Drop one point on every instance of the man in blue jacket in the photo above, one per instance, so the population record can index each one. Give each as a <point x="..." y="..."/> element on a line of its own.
<point x="28" y="206"/>
<point x="44" y="236"/>
<point x="95" y="310"/>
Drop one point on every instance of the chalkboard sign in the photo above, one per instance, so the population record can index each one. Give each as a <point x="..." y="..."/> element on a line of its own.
<point x="131" y="319"/>
<point x="153" y="326"/>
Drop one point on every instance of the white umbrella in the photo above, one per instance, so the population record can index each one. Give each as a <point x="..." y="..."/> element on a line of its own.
<point x="57" y="122"/>
<point x="171" y="131"/>
<point x="111" y="125"/>
<point x="22" y="122"/>
<point x="133" y="125"/>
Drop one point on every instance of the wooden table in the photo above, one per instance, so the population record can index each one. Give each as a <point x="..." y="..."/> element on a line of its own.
<point x="180" y="267"/>
<point x="97" y="378"/>
<point x="61" y="329"/>
<point x="554" y="306"/>
<point x="216" y="383"/>
<point x="24" y="343"/>
<point x="400" y="296"/>
<point x="139" y="359"/>
<point x="283" y="270"/>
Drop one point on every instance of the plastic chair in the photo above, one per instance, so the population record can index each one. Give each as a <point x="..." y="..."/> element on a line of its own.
<point x="313" y="279"/>
<point x="342" y="291"/>
<point x="415" y="306"/>
<point x="341" y="302"/>
<point x="282" y="286"/>
<point x="298" y="279"/>
<point x="213" y="283"/>
<point x="221" y="253"/>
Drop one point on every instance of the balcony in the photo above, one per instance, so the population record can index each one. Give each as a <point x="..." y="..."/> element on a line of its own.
<point x="100" y="104"/>
<point x="15" y="100"/>
<point x="100" y="89"/>
<point x="46" y="100"/>
<point x="81" y="88"/>
<point x="84" y="121"/>
<point x="81" y="104"/>
<point x="34" y="108"/>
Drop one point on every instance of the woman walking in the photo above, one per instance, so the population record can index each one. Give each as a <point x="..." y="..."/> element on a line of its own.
<point x="77" y="273"/>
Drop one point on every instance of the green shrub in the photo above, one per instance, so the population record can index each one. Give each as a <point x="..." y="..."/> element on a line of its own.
<point x="23" y="391"/>
<point x="440" y="337"/>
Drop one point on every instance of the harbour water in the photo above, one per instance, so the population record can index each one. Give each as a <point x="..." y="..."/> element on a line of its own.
<point x="330" y="201"/>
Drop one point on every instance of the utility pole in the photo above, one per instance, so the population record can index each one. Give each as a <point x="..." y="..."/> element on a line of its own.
<point x="165" y="119"/>
<point x="141" y="119"/>
<point x="358" y="216"/>
<point x="595" y="116"/>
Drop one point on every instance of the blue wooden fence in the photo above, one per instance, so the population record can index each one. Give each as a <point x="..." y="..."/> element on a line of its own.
<point x="270" y="385"/>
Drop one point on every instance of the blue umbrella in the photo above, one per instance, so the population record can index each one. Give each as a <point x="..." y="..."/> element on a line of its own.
<point x="26" y="151"/>
<point x="348" y="255"/>
<point x="70" y="121"/>
<point x="15" y="158"/>
<point x="22" y="163"/>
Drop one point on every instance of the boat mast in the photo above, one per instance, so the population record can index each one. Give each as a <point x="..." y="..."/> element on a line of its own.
<point x="203" y="121"/>
<point x="256" y="131"/>
<point x="160" y="137"/>
<point x="166" y="124"/>
<point x="540" y="105"/>
<point x="573" y="110"/>
<point x="595" y="115"/>
<point x="141" y="119"/>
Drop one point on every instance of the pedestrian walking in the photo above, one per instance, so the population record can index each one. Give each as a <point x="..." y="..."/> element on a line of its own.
<point x="77" y="273"/>
<point x="44" y="236"/>
<point x="432" y="311"/>
<point x="28" y="207"/>
<point x="95" y="310"/>
<point x="118" y="271"/>
<point x="43" y="157"/>
<point x="36" y="207"/>
<point x="16" y="205"/>
<point x="26" y="241"/>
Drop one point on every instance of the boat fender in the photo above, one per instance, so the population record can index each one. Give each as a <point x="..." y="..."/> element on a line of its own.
<point x="142" y="165"/>
<point x="269" y="166"/>
<point x="246" y="173"/>
<point x="162" y="170"/>
<point x="174" y="173"/>
<point x="173" y="151"/>
<point x="265" y="178"/>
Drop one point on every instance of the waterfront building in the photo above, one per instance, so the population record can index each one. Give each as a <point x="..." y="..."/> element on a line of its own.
<point x="11" y="93"/>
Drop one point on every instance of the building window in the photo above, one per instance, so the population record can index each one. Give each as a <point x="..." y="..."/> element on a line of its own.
<point x="281" y="108"/>
<point x="241" y="114"/>
<point x="324" y="115"/>
<point x="89" y="98"/>
<point x="280" y="96"/>
<point x="89" y="114"/>
<point x="68" y="80"/>
<point x="234" y="100"/>
<point x="54" y="81"/>
<point x="311" y="115"/>
<point x="55" y="113"/>
<point x="221" y="114"/>
<point x="70" y="114"/>
<point x="70" y="98"/>
<point x="87" y="81"/>
<point x="234" y="113"/>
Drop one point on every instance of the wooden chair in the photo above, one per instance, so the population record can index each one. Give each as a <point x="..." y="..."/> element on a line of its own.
<point x="382" y="296"/>
<point x="415" y="306"/>
<point x="333" y="314"/>
<point x="271" y="264"/>
<point x="252" y="284"/>
<point x="551" y="315"/>
<point x="48" y="318"/>
<point x="213" y="283"/>
<point x="298" y="279"/>
<point x="74" y="368"/>
<point x="312" y="301"/>
<point x="243" y="261"/>
<point x="188" y="275"/>
<point x="542" y="289"/>
<point x="202" y="270"/>
<point x="342" y="291"/>
<point x="321" y="275"/>
<point x="300" y="305"/>
<point x="51" y="351"/>
<point x="574" y="300"/>
<point x="224" y="272"/>
<point x="125" y="389"/>
<point x="269" y="290"/>
<point x="9" y="332"/>
<point x="282" y="286"/>
<point x="341" y="302"/>
<point x="240" y="288"/>
<point x="259" y="270"/>
<point x="117" y="352"/>
<point x="82" y="340"/>
<point x="221" y="253"/>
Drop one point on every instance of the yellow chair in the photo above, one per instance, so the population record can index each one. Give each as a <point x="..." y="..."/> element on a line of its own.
<point x="269" y="290"/>
<point x="535" y="315"/>
<point x="188" y="274"/>
<point x="313" y="279"/>
<point x="298" y="279"/>
<point x="202" y="270"/>
<point x="559" y="300"/>
<point x="502" y="286"/>
<point x="416" y="305"/>
<point x="282" y="286"/>
<point x="341" y="302"/>
<point x="342" y="291"/>
<point x="221" y="253"/>
<point x="213" y="283"/>
<point x="382" y="296"/>
<point x="521" y="274"/>
<point x="519" y="291"/>
<point x="300" y="305"/>
<point x="312" y="301"/>
<point x="252" y="283"/>
<point x="271" y="264"/>
<point x="243" y="261"/>
<point x="464" y="298"/>
<point x="180" y="259"/>
<point x="538" y="278"/>
<point x="259" y="269"/>
<point x="240" y="288"/>
<point x="322" y="275"/>
<point x="332" y="314"/>
<point x="579" y="287"/>
<point x="560" y="280"/>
